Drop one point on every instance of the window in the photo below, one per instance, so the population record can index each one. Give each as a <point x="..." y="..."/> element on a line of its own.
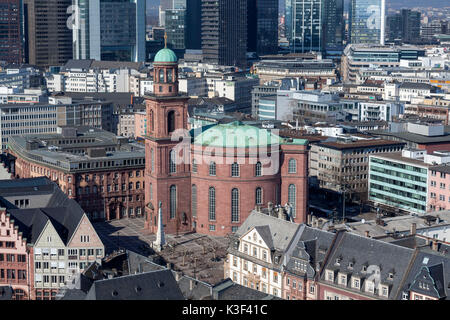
<point x="235" y="205"/>
<point x="212" y="203"/>
<point x="292" y="166"/>
<point x="275" y="277"/>
<point x="171" y="122"/>
<point x="258" y="169"/>
<point x="172" y="162"/>
<point x="245" y="265"/>
<point x="212" y="169"/>
<point x="255" y="251"/>
<point x="312" y="289"/>
<point x="212" y="227"/>
<point x="194" y="200"/>
<point x="152" y="156"/>
<point x="292" y="195"/>
<point x="173" y="201"/>
<point x="265" y="255"/>
<point x="356" y="283"/>
<point x="84" y="238"/>
<point x="258" y="196"/>
<point x="384" y="291"/>
<point x="235" y="170"/>
<point x="194" y="166"/>
<point x="245" y="248"/>
<point x="234" y="262"/>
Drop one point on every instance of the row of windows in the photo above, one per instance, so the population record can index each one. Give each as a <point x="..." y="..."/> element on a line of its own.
<point x="235" y="170"/>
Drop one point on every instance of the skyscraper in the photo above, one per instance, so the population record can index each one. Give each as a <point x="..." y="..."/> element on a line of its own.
<point x="193" y="25"/>
<point x="11" y="32"/>
<point x="48" y="40"/>
<point x="367" y="21"/>
<point x="175" y="27"/>
<point x="410" y="25"/>
<point x="224" y="32"/>
<point x="111" y="30"/>
<point x="262" y="26"/>
<point x="304" y="19"/>
<point x="333" y="24"/>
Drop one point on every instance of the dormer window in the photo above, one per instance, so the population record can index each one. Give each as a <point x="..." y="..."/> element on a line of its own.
<point x="384" y="291"/>
<point x="356" y="283"/>
<point x="364" y="268"/>
<point x="350" y="265"/>
<point x="390" y="276"/>
<point x="338" y="261"/>
<point x="343" y="279"/>
<point x="277" y="259"/>
<point x="330" y="275"/>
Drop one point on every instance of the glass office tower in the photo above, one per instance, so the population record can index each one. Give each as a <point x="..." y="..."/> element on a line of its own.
<point x="262" y="26"/>
<point x="110" y="30"/>
<point x="367" y="21"/>
<point x="304" y="19"/>
<point x="333" y="24"/>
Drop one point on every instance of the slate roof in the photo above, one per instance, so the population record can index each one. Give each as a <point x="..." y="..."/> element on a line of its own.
<point x="41" y="192"/>
<point x="154" y="285"/>
<point x="31" y="222"/>
<point x="372" y="254"/>
<point x="228" y="290"/>
<point x="281" y="231"/>
<point x="435" y="267"/>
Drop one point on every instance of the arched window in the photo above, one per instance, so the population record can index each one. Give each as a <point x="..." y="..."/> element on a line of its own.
<point x="258" y="169"/>
<point x="170" y="76"/>
<point x="235" y="205"/>
<point x="152" y="121"/>
<point x="161" y="75"/>
<point x="235" y="170"/>
<point x="171" y="121"/>
<point x="194" y="200"/>
<point x="173" y="202"/>
<point x="151" y="191"/>
<point x="212" y="168"/>
<point x="258" y="196"/>
<point x="172" y="162"/>
<point x="138" y="185"/>
<point x="292" y="167"/>
<point x="212" y="203"/>
<point x="292" y="198"/>
<point x="152" y="159"/>
<point x="194" y="166"/>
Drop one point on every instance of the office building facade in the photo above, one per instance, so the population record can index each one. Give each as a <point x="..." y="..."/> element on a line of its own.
<point x="11" y="31"/>
<point x="48" y="40"/>
<point x="112" y="30"/>
<point x="367" y="21"/>
<point x="262" y="26"/>
<point x="224" y="32"/>
<point x="304" y="30"/>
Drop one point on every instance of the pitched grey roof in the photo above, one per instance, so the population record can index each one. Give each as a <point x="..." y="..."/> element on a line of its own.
<point x="154" y="285"/>
<point x="431" y="268"/>
<point x="281" y="231"/>
<point x="31" y="222"/>
<point x="419" y="86"/>
<point x="228" y="290"/>
<point x="264" y="232"/>
<point x="362" y="251"/>
<point x="41" y="192"/>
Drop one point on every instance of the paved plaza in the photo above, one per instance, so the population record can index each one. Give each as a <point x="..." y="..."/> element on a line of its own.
<point x="196" y="255"/>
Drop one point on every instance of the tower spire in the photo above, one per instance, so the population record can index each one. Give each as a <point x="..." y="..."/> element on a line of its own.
<point x="165" y="39"/>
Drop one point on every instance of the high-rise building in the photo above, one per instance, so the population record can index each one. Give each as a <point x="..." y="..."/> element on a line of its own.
<point x="11" y="33"/>
<point x="175" y="27"/>
<point x="394" y="27"/>
<point x="367" y="21"/>
<point x="262" y="26"/>
<point x="224" y="32"/>
<point x="404" y="26"/>
<point x="48" y="39"/>
<point x="333" y="24"/>
<point x="112" y="30"/>
<point x="304" y="19"/>
<point x="410" y="25"/>
<point x="193" y="25"/>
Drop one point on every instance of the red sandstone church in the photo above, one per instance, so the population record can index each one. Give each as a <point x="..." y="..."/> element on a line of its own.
<point x="210" y="182"/>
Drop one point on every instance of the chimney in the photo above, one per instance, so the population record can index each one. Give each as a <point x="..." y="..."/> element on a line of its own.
<point x="309" y="219"/>
<point x="169" y="265"/>
<point x="435" y="245"/>
<point x="191" y="284"/>
<point x="366" y="233"/>
<point x="413" y="228"/>
<point x="177" y="276"/>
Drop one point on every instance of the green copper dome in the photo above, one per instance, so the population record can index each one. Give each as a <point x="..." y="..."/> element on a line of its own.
<point x="166" y="56"/>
